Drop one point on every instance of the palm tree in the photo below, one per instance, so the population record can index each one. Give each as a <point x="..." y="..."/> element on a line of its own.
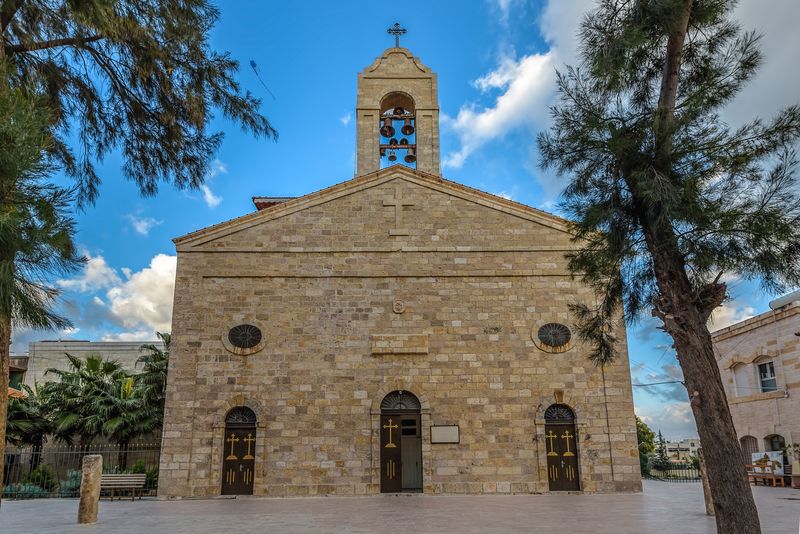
<point x="29" y="421"/>
<point x="79" y="394"/>
<point x="36" y="231"/>
<point x="127" y="413"/>
<point x="153" y="378"/>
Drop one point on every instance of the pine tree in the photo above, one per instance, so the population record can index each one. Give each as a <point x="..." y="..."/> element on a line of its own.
<point x="667" y="198"/>
<point x="661" y="461"/>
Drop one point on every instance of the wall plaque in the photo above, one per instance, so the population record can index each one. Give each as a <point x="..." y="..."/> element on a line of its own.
<point x="445" y="434"/>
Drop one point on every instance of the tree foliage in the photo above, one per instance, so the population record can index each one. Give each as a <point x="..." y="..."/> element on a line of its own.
<point x="93" y="397"/>
<point x="718" y="199"/>
<point x="645" y="437"/>
<point x="153" y="378"/>
<point x="134" y="75"/>
<point x="36" y="229"/>
<point x="81" y="405"/>
<point x="661" y="460"/>
<point x="29" y="420"/>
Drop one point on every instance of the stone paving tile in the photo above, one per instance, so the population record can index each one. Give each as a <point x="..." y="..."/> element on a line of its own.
<point x="663" y="507"/>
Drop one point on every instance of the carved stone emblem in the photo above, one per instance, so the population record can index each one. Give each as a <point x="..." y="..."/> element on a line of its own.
<point x="398" y="306"/>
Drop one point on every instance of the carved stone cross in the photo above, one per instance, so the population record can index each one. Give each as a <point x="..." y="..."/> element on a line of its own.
<point x="397" y="203"/>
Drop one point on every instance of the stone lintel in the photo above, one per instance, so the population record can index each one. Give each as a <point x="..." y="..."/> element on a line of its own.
<point x="399" y="344"/>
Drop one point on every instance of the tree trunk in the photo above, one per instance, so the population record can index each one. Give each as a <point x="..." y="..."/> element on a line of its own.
<point x="122" y="457"/>
<point x="5" y="345"/>
<point x="36" y="455"/>
<point x="685" y="313"/>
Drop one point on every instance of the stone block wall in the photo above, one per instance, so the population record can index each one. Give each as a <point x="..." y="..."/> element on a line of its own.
<point x="321" y="277"/>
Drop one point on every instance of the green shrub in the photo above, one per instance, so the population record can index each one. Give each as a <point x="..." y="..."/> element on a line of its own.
<point x="152" y="478"/>
<point x="137" y="468"/>
<point x="644" y="463"/>
<point x="72" y="485"/>
<point x="43" y="476"/>
<point x="23" y="491"/>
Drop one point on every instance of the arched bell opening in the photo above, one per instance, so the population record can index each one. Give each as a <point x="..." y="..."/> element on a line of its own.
<point x="561" y="443"/>
<point x="398" y="139"/>
<point x="401" y="443"/>
<point x="238" y="452"/>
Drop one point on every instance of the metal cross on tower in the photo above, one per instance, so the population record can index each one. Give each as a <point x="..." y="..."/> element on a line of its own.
<point x="397" y="31"/>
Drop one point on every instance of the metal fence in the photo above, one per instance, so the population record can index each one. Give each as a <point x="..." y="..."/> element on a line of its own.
<point x="55" y="471"/>
<point x="673" y="473"/>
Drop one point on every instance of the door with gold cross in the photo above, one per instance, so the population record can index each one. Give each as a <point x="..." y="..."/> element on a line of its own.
<point x="562" y="457"/>
<point x="391" y="454"/>
<point x="238" y="460"/>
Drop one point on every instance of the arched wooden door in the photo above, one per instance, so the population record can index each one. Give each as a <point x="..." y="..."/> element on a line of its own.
<point x="238" y="452"/>
<point x="561" y="442"/>
<point x="401" y="443"/>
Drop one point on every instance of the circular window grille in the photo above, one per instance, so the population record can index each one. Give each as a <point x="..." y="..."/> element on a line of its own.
<point x="554" y="334"/>
<point x="244" y="336"/>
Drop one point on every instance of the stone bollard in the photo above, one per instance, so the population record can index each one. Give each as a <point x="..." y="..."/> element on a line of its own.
<point x="706" y="486"/>
<point x="91" y="472"/>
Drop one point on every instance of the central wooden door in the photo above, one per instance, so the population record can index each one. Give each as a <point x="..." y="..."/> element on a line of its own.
<point x="238" y="453"/>
<point x="401" y="443"/>
<point x="391" y="459"/>
<point x="561" y="444"/>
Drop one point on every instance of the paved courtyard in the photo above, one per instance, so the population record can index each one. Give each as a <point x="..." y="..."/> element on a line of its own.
<point x="663" y="507"/>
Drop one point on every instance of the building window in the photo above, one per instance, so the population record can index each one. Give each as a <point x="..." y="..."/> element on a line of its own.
<point x="766" y="376"/>
<point x="742" y="383"/>
<point x="749" y="447"/>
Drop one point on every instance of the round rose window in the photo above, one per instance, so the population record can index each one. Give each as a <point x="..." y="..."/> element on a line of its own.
<point x="244" y="336"/>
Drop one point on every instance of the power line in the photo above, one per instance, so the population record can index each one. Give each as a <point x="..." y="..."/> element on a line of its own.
<point x="255" y="69"/>
<point x="659" y="383"/>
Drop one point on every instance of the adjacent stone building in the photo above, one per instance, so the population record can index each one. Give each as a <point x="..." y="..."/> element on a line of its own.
<point x="760" y="364"/>
<point x="394" y="332"/>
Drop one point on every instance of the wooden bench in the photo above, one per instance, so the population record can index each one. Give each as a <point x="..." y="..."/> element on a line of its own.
<point x="123" y="482"/>
<point x="767" y="475"/>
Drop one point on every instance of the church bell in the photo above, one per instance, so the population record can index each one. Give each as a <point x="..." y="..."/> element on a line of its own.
<point x="407" y="128"/>
<point x="392" y="156"/>
<point x="411" y="156"/>
<point x="387" y="130"/>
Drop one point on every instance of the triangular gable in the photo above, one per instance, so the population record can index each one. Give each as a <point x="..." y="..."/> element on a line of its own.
<point x="367" y="181"/>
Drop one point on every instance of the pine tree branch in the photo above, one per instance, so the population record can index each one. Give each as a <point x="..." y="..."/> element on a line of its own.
<point x="669" y="82"/>
<point x="7" y="12"/>
<point x="52" y="43"/>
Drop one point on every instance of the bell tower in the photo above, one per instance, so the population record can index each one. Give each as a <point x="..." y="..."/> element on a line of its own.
<point x="397" y="112"/>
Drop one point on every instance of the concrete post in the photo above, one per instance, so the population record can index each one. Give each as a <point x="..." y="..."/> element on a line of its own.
<point x="91" y="471"/>
<point x="706" y="486"/>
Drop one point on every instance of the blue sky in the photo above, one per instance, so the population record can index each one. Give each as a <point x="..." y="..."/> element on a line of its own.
<point x="495" y="60"/>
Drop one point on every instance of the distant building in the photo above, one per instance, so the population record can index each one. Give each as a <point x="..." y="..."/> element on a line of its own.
<point x="683" y="450"/>
<point x="759" y="360"/>
<point x="43" y="355"/>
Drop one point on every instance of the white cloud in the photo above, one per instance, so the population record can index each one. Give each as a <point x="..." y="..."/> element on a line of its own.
<point x="730" y="313"/>
<point x="504" y="7"/>
<point x="140" y="302"/>
<point x="675" y="420"/>
<point x="145" y="298"/>
<point x="345" y="119"/>
<point x="217" y="168"/>
<point x="97" y="274"/>
<point x="527" y="85"/>
<point x="528" y="82"/>
<point x="503" y="194"/>
<point x="142" y="225"/>
<point x="212" y="200"/>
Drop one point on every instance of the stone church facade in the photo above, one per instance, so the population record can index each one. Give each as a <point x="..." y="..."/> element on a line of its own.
<point x="394" y="332"/>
